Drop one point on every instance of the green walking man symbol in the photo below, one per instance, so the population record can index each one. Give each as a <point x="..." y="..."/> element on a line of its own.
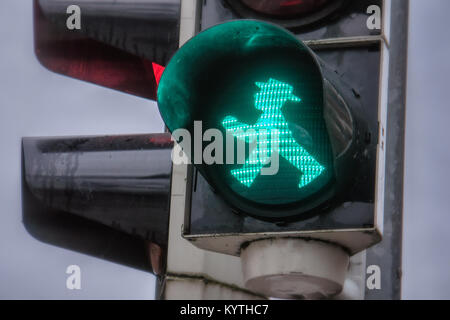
<point x="270" y="99"/>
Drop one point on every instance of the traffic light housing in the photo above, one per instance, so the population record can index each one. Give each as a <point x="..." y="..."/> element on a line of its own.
<point x="255" y="82"/>
<point x="94" y="193"/>
<point x="337" y="203"/>
<point x="289" y="14"/>
<point x="120" y="45"/>
<point x="354" y="59"/>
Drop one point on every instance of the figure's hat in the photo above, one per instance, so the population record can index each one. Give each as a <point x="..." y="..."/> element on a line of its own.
<point x="274" y="84"/>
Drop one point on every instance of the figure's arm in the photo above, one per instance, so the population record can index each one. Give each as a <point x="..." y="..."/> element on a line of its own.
<point x="231" y="124"/>
<point x="238" y="129"/>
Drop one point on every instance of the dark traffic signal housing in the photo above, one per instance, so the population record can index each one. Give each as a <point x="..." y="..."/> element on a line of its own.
<point x="251" y="75"/>
<point x="342" y="69"/>
<point x="314" y="98"/>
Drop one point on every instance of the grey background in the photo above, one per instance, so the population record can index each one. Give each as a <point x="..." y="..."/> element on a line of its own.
<point x="36" y="102"/>
<point x="426" y="238"/>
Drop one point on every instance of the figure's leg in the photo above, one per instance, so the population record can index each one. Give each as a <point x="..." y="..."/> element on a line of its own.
<point x="310" y="173"/>
<point x="302" y="160"/>
<point x="251" y="169"/>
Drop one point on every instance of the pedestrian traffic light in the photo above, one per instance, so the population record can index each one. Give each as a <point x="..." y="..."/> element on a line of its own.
<point x="287" y="131"/>
<point x="251" y="86"/>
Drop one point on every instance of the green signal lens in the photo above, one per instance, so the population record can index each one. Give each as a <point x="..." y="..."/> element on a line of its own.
<point x="257" y="83"/>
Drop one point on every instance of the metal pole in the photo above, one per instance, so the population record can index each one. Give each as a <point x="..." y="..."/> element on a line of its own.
<point x="388" y="254"/>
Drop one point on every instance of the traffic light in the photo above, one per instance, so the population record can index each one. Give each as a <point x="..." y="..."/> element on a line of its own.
<point x="116" y="193"/>
<point x="253" y="84"/>
<point x="284" y="129"/>
<point x="317" y="95"/>
<point x="93" y="193"/>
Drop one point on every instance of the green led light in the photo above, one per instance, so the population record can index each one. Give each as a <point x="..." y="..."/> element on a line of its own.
<point x="270" y="99"/>
<point x="241" y="77"/>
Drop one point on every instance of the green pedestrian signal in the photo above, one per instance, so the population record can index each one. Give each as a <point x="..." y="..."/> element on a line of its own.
<point x="270" y="99"/>
<point x="257" y="101"/>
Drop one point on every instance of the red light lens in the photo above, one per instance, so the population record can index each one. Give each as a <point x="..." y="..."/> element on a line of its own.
<point x="74" y="55"/>
<point x="286" y="8"/>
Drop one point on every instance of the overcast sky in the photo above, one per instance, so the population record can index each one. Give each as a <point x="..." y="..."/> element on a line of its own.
<point x="36" y="102"/>
<point x="426" y="253"/>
